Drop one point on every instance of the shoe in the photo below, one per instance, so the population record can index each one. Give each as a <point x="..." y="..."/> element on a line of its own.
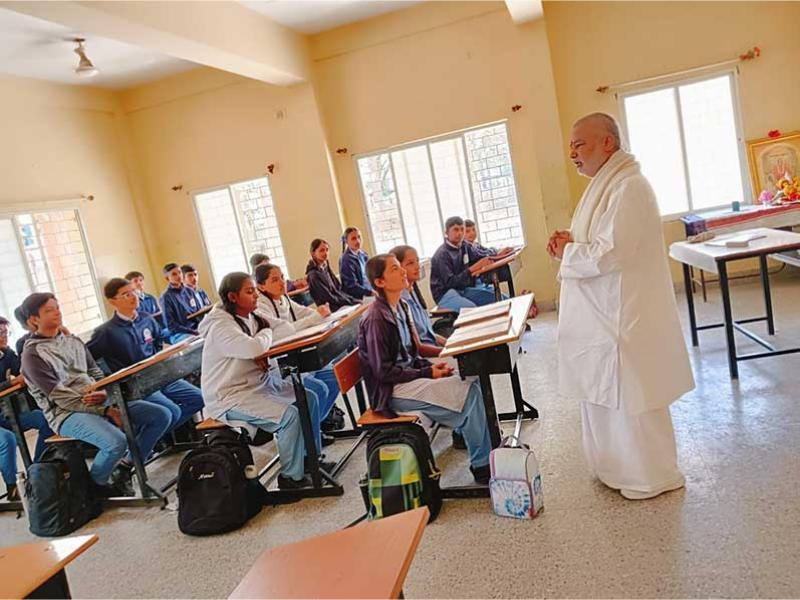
<point x="121" y="480"/>
<point x="261" y="437"/>
<point x="325" y="465"/>
<point x="104" y="491"/>
<point x="458" y="441"/>
<point x="634" y="495"/>
<point x="287" y="483"/>
<point x="333" y="421"/>
<point x="481" y="475"/>
<point x="327" y="440"/>
<point x="12" y="493"/>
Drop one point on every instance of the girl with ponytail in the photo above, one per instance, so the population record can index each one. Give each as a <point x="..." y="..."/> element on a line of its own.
<point x="322" y="282"/>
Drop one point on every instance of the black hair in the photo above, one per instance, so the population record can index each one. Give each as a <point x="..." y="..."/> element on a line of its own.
<point x="452" y="222"/>
<point x="345" y="235"/>
<point x="375" y="268"/>
<point x="22" y="317"/>
<point x="169" y="266"/>
<point x="113" y="286"/>
<point x="469" y="223"/>
<point x="131" y="275"/>
<point x="400" y="252"/>
<point x="34" y="302"/>
<point x="4" y="321"/>
<point x="257" y="259"/>
<point x="263" y="271"/>
<point x="188" y="268"/>
<point x="316" y="243"/>
<point x="232" y="284"/>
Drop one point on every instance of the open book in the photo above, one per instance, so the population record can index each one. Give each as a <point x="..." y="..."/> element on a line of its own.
<point x="306" y="333"/>
<point x="486" y="330"/>
<point x="741" y="240"/>
<point x="469" y="316"/>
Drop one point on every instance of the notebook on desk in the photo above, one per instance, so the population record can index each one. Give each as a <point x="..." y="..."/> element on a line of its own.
<point x="471" y="334"/>
<point x="470" y="316"/>
<point x="741" y="240"/>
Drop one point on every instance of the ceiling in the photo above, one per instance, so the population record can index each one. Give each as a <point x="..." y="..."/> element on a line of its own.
<point x="42" y="50"/>
<point x="314" y="16"/>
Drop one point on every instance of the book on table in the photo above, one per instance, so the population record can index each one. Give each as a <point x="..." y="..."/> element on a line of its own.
<point x="479" y="332"/>
<point x="469" y="316"/>
<point x="306" y="333"/>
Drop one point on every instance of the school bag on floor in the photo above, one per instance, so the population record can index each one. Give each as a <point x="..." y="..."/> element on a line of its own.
<point x="401" y="473"/>
<point x="58" y="491"/>
<point x="215" y="494"/>
<point x="516" y="483"/>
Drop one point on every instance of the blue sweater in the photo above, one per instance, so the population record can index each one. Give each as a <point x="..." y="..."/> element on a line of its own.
<point x="9" y="363"/>
<point x="353" y="274"/>
<point x="178" y="303"/>
<point x="122" y="343"/>
<point x="149" y="304"/>
<point x="450" y="268"/>
<point x="202" y="297"/>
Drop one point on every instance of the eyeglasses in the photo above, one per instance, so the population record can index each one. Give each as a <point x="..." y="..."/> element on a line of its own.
<point x="125" y="295"/>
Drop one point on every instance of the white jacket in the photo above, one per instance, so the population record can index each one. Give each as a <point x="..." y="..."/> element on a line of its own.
<point x="620" y="343"/>
<point x="280" y="311"/>
<point x="231" y="378"/>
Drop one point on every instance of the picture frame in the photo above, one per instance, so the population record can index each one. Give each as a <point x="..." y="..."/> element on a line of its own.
<point x="770" y="158"/>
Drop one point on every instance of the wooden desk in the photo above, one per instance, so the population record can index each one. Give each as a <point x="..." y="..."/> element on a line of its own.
<point x="306" y="356"/>
<point x="200" y="313"/>
<point x="715" y="259"/>
<point x="370" y="560"/>
<point x="496" y="356"/>
<point x="503" y="270"/>
<point x="36" y="570"/>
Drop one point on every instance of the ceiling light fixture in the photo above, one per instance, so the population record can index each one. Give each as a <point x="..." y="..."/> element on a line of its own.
<point x="85" y="67"/>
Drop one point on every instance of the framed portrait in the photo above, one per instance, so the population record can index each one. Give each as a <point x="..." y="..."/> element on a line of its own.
<point x="772" y="158"/>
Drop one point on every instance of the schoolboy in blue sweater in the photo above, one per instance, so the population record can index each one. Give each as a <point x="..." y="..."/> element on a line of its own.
<point x="147" y="302"/>
<point x="178" y="302"/>
<point x="352" y="264"/>
<point x="190" y="281"/>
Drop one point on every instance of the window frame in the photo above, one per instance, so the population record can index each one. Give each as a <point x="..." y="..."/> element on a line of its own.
<point x="427" y="141"/>
<point x="674" y="83"/>
<point x="227" y="186"/>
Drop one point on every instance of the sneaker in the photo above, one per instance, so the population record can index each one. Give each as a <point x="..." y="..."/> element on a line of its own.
<point x="122" y="481"/>
<point x="458" y="441"/>
<point x="261" y="437"/>
<point x="326" y="465"/>
<point x="327" y="440"/>
<point x="287" y="483"/>
<point x="481" y="475"/>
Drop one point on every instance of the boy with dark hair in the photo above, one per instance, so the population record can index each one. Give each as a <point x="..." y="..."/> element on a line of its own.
<point x="24" y="321"/>
<point x="147" y="302"/>
<point x="454" y="284"/>
<point x="259" y="258"/>
<point x="190" y="280"/>
<point x="471" y="237"/>
<point x="61" y="375"/>
<point x="34" y="419"/>
<point x="178" y="302"/>
<point x="131" y="336"/>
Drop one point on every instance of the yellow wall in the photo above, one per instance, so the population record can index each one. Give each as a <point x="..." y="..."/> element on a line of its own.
<point x="63" y="141"/>
<point x="206" y="128"/>
<point x="437" y="68"/>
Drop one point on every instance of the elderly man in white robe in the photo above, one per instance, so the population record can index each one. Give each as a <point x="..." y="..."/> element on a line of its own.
<point x="620" y="347"/>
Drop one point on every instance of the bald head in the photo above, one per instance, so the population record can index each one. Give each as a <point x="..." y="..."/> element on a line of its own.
<point x="594" y="139"/>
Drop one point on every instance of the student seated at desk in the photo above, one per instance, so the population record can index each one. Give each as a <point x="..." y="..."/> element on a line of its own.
<point x="178" y="302"/>
<point x="471" y="237"/>
<point x="259" y="259"/>
<point x="352" y="263"/>
<point x="453" y="267"/>
<point x="275" y="306"/>
<point x="190" y="280"/>
<point x="33" y="419"/>
<point x="234" y="387"/>
<point x="323" y="284"/>
<point x="398" y="379"/>
<point x="26" y="324"/>
<point x="147" y="302"/>
<point x="60" y="373"/>
<point x="131" y="336"/>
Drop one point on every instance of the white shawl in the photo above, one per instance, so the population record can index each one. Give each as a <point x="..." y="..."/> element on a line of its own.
<point x="594" y="201"/>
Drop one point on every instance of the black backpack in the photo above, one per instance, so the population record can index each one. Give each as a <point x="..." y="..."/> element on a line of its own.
<point x="401" y="472"/>
<point x="59" y="492"/>
<point x="214" y="494"/>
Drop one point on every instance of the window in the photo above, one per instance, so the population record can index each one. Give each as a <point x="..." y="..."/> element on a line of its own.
<point x="46" y="252"/>
<point x="237" y="221"/>
<point x="409" y="191"/>
<point x="687" y="138"/>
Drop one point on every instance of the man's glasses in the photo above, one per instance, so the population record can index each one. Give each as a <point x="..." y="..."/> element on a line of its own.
<point x="125" y="295"/>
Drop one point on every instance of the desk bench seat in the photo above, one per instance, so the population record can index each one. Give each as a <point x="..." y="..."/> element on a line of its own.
<point x="210" y="425"/>
<point x="59" y="439"/>
<point x="372" y="419"/>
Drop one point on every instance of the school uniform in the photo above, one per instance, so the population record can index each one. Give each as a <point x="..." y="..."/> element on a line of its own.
<point x="10" y="366"/>
<point x="148" y="304"/>
<point x="419" y="314"/>
<point x="298" y="317"/>
<point x="452" y="285"/>
<point x="352" y="271"/>
<point x="238" y="392"/>
<point x="59" y="371"/>
<point x="178" y="304"/>
<point x="399" y="380"/>
<point x="325" y="287"/>
<point x="121" y="342"/>
<point x="20" y="345"/>
<point x="201" y="296"/>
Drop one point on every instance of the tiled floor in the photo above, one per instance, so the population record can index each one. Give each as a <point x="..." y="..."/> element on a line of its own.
<point x="734" y="531"/>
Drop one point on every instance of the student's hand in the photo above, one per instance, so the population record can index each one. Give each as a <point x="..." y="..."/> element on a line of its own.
<point x="442" y="369"/>
<point x="112" y="412"/>
<point x="300" y="284"/>
<point x="16" y="380"/>
<point x="482" y="263"/>
<point x="94" y="398"/>
<point x="324" y="310"/>
<point x="503" y="252"/>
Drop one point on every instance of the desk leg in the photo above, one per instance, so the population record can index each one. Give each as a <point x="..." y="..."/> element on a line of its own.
<point x="308" y="433"/>
<point x="688" y="282"/>
<point x="55" y="587"/>
<point x="725" y="291"/>
<point x="511" y="286"/>
<point x="498" y="293"/>
<point x="767" y="294"/>
<point x="12" y="414"/>
<point x="362" y="403"/>
<point x="491" y="411"/>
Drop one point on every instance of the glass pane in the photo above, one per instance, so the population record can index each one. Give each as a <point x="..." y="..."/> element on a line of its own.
<point x="221" y="234"/>
<point x="380" y="197"/>
<point x="712" y="147"/>
<point x="258" y="221"/>
<point x="418" y="199"/>
<point x="654" y="136"/>
<point x="14" y="284"/>
<point x="452" y="180"/>
<point x="489" y="155"/>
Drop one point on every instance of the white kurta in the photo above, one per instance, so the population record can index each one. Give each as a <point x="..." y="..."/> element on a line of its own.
<point x="620" y="345"/>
